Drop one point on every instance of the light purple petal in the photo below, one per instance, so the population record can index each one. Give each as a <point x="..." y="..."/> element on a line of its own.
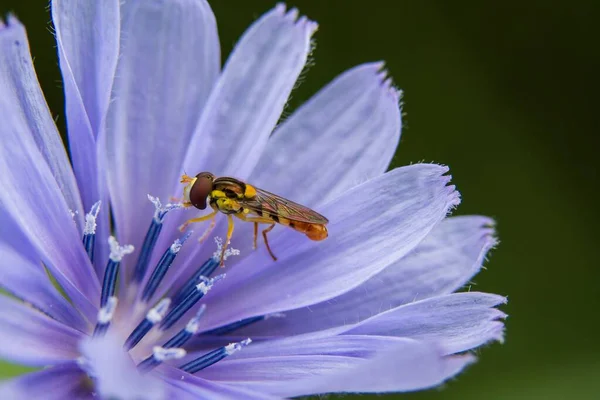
<point x="33" y="200"/>
<point x="360" y="346"/>
<point x="294" y="367"/>
<point x="409" y="366"/>
<point x="458" y="321"/>
<point x="169" y="61"/>
<point x="115" y="374"/>
<point x="31" y="338"/>
<point x="24" y="277"/>
<point x="87" y="36"/>
<point x="345" y="135"/>
<point x="250" y="95"/>
<point x="277" y="375"/>
<point x="184" y="386"/>
<point x="269" y="366"/>
<point x="65" y="381"/>
<point x="444" y="261"/>
<point x="20" y="86"/>
<point x="372" y="226"/>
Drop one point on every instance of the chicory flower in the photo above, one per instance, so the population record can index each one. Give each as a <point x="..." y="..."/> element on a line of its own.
<point x="143" y="311"/>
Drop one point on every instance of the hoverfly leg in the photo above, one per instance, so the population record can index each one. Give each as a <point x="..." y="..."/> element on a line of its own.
<point x="208" y="230"/>
<point x="180" y="200"/>
<point x="199" y="219"/>
<point x="255" y="235"/>
<point x="227" y="239"/>
<point x="256" y="221"/>
<point x="264" y="233"/>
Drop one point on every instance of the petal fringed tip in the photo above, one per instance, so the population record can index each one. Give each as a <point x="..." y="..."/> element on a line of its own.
<point x="351" y="126"/>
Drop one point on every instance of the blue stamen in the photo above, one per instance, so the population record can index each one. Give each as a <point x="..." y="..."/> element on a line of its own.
<point x="111" y="273"/>
<point x="105" y="315"/>
<point x="148" y="364"/>
<point x="185" y="334"/>
<point x="138" y="334"/>
<point x="240" y="324"/>
<point x="234" y="325"/>
<point x="160" y="355"/>
<point x="146" y="252"/>
<point x="89" y="240"/>
<point x="89" y="230"/>
<point x="110" y="281"/>
<point x="212" y="357"/>
<point x="182" y="307"/>
<point x="163" y="266"/>
<point x="151" y="237"/>
<point x="100" y="329"/>
<point x="205" y="270"/>
<point x="154" y="316"/>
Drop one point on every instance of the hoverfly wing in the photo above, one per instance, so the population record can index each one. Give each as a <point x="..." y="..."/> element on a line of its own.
<point x="266" y="202"/>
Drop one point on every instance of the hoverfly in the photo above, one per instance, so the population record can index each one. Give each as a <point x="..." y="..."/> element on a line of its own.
<point x="248" y="203"/>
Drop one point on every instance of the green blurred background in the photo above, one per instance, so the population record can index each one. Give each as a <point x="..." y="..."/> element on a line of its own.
<point x="505" y="94"/>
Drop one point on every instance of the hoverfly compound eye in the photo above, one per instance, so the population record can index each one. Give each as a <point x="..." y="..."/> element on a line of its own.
<point x="201" y="189"/>
<point x="206" y="175"/>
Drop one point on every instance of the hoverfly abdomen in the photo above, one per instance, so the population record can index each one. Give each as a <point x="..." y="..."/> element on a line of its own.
<point x="312" y="231"/>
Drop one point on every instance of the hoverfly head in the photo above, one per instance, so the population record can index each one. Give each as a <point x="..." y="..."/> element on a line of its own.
<point x="200" y="189"/>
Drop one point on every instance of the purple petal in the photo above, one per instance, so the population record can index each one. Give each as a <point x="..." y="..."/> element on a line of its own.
<point x="372" y="226"/>
<point x="277" y="375"/>
<point x="169" y="61"/>
<point x="189" y="387"/>
<point x="301" y="366"/>
<point x="352" y="126"/>
<point x="444" y="261"/>
<point x="87" y="36"/>
<point x="250" y="94"/>
<point x="409" y="366"/>
<point x="22" y="276"/>
<point x="115" y="374"/>
<point x="32" y="199"/>
<point x="360" y="346"/>
<point x="65" y="381"/>
<point x="31" y="338"/>
<point x="20" y="86"/>
<point x="458" y="321"/>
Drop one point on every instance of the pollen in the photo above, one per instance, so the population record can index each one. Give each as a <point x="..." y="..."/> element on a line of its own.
<point x="228" y="252"/>
<point x="117" y="252"/>
<point x="90" y="219"/>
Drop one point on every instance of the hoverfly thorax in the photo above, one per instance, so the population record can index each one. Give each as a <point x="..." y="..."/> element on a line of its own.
<point x="198" y="189"/>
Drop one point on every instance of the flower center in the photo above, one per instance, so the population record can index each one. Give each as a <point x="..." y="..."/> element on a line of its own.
<point x="167" y="312"/>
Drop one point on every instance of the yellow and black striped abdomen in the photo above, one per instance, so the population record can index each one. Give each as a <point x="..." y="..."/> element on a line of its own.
<point x="312" y="231"/>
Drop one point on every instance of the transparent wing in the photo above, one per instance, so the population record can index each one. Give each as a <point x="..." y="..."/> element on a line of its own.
<point x="268" y="202"/>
